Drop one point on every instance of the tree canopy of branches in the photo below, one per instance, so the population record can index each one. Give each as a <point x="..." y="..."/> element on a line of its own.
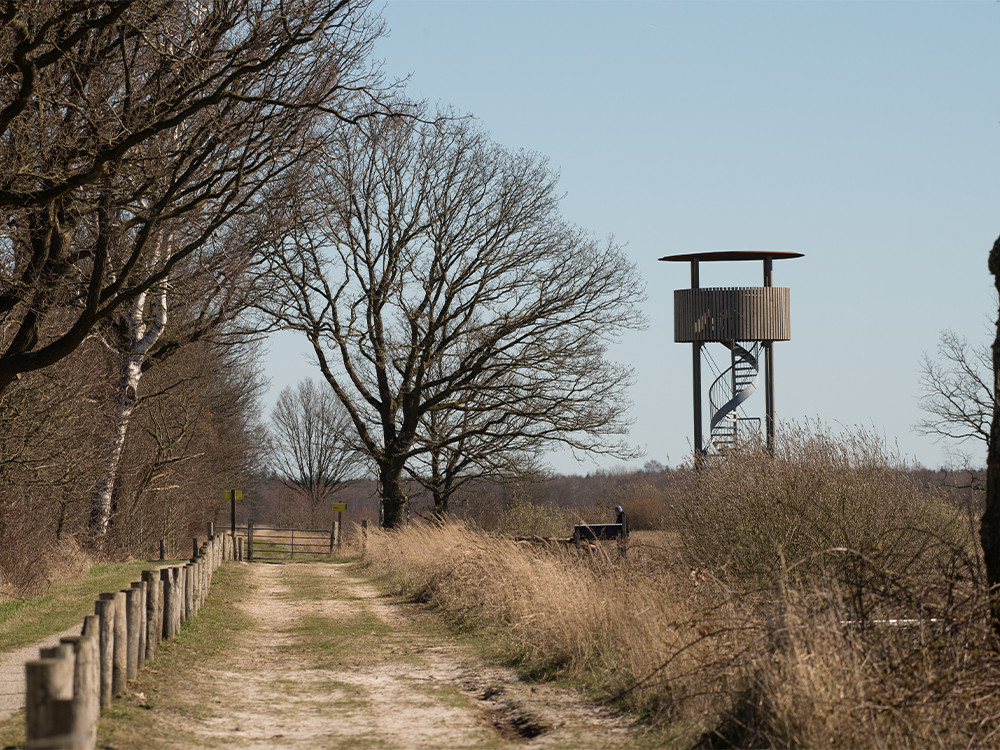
<point x="132" y="133"/>
<point x="312" y="452"/>
<point x="449" y="304"/>
<point x="957" y="390"/>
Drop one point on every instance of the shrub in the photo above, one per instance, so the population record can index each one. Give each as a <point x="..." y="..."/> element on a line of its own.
<point x="820" y="497"/>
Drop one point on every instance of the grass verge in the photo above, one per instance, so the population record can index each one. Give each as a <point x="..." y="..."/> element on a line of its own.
<point x="27" y="621"/>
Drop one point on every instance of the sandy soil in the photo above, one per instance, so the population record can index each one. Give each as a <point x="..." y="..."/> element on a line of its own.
<point x="12" y="679"/>
<point x="394" y="680"/>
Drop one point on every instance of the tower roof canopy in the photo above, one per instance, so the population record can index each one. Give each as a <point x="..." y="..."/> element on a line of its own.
<point x="734" y="255"/>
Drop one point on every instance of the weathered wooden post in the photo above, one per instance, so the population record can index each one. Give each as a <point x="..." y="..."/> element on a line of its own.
<point x="120" y="652"/>
<point x="188" y="591"/>
<point x="86" y="687"/>
<point x="105" y="609"/>
<point x="133" y="625"/>
<point x="48" y="709"/>
<point x="143" y="588"/>
<point x="169" y="604"/>
<point x="364" y="536"/>
<point x="178" y="586"/>
<point x="154" y="611"/>
<point x="201" y="591"/>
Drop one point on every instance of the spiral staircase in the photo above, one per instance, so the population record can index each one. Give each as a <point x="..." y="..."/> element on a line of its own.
<point x="734" y="386"/>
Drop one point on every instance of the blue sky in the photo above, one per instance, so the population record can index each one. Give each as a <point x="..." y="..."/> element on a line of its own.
<point x="863" y="134"/>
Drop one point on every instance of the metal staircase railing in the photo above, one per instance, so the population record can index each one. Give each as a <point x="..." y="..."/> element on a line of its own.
<point x="734" y="386"/>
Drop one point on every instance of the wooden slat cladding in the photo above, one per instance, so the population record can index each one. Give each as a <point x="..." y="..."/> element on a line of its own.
<point x="732" y="314"/>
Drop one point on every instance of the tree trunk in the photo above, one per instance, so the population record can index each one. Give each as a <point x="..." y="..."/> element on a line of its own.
<point x="394" y="498"/>
<point x="989" y="531"/>
<point x="440" y="503"/>
<point x="141" y="340"/>
<point x="125" y="401"/>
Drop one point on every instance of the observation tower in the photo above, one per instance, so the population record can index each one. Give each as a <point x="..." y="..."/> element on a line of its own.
<point x="746" y="321"/>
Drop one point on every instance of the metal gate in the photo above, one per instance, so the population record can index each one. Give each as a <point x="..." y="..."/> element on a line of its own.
<point x="274" y="544"/>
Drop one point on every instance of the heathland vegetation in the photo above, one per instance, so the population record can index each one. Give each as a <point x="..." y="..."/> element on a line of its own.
<point x="821" y="598"/>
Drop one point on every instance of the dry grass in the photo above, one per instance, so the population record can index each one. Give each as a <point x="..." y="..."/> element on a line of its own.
<point x="30" y="565"/>
<point x="759" y="619"/>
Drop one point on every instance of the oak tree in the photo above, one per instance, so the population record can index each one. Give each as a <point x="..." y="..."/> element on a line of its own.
<point x="436" y="280"/>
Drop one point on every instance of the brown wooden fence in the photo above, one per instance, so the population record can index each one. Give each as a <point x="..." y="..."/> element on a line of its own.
<point x="69" y="684"/>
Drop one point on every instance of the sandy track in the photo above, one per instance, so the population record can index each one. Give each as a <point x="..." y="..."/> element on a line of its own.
<point x="392" y="678"/>
<point x="12" y="676"/>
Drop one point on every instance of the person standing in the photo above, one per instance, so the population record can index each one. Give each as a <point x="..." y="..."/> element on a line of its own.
<point x="622" y="519"/>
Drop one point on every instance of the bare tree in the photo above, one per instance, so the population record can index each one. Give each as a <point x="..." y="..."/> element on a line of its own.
<point x="132" y="132"/>
<point x="205" y="291"/>
<point x="957" y="393"/>
<point x="312" y="450"/>
<point x="440" y="277"/>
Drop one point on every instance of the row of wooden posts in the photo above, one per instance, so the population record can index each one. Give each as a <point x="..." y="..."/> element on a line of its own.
<point x="69" y="684"/>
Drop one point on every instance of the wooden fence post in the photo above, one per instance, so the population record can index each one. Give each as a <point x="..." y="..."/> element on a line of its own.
<point x="177" y="574"/>
<point x="167" y="576"/>
<point x="188" y="591"/>
<point x="119" y="670"/>
<point x="201" y="586"/>
<point x="143" y="588"/>
<point x="48" y="706"/>
<point x="133" y="625"/>
<point x="364" y="535"/>
<point x="105" y="609"/>
<point x="154" y="611"/>
<point x="86" y="687"/>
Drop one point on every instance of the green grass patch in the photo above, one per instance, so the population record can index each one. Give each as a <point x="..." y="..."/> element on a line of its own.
<point x="12" y="731"/>
<point x="303" y="585"/>
<point x="335" y="642"/>
<point x="27" y="621"/>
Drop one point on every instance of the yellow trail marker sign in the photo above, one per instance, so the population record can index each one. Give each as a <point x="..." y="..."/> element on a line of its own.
<point x="234" y="495"/>
<point x="340" y="507"/>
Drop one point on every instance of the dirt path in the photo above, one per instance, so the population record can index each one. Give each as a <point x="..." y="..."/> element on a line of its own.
<point x="331" y="663"/>
<point x="12" y="679"/>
